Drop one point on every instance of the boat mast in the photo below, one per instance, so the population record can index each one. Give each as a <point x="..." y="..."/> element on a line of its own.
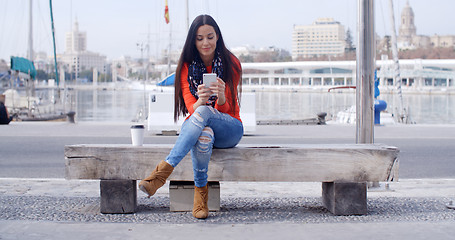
<point x="30" y="32"/>
<point x="169" y="51"/>
<point x="167" y="17"/>
<point x="53" y="39"/>
<point x="396" y="65"/>
<point x="30" y="48"/>
<point x="187" y="19"/>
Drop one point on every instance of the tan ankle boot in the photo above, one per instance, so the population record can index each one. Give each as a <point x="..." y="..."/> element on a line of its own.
<point x="157" y="179"/>
<point x="201" y="197"/>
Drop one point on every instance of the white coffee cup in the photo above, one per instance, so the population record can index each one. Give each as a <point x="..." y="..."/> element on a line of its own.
<point x="137" y="135"/>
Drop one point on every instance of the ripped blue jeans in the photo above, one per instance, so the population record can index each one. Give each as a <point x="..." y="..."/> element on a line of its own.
<point x="204" y="129"/>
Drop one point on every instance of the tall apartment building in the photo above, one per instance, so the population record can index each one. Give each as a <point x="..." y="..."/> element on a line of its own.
<point x="76" y="41"/>
<point x="76" y="56"/>
<point x="324" y="37"/>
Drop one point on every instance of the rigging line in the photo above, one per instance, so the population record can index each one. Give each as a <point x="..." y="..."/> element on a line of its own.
<point x="5" y="28"/>
<point x="2" y="41"/>
<point x="349" y="15"/>
<point x="383" y="18"/>
<point x="397" y="13"/>
<point x="208" y="7"/>
<point x="43" y="39"/>
<point x="348" y="20"/>
<point x="21" y="36"/>
<point x="3" y="21"/>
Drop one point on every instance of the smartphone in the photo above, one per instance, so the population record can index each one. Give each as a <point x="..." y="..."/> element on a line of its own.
<point x="208" y="78"/>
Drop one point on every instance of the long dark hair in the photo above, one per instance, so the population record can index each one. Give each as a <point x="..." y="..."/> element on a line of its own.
<point x="190" y="51"/>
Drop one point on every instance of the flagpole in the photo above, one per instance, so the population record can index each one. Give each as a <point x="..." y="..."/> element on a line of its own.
<point x="167" y="18"/>
<point x="169" y="51"/>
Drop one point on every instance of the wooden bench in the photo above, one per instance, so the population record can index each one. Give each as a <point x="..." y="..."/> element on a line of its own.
<point x="343" y="169"/>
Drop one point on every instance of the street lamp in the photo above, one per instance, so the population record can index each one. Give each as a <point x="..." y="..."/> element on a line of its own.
<point x="142" y="47"/>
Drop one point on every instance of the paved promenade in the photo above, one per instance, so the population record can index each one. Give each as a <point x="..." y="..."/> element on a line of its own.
<point x="62" y="209"/>
<point x="54" y="208"/>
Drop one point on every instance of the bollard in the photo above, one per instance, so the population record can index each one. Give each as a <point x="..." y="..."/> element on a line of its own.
<point x="70" y="116"/>
<point x="321" y="118"/>
<point x="379" y="105"/>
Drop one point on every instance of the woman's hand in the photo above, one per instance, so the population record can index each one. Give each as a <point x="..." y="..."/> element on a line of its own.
<point x="203" y="93"/>
<point x="219" y="89"/>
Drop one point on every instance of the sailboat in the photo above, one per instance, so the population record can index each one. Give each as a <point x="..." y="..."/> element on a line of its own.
<point x="167" y="81"/>
<point x="402" y="114"/>
<point x="22" y="76"/>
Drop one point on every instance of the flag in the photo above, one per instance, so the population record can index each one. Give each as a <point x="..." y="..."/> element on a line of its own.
<point x="166" y="13"/>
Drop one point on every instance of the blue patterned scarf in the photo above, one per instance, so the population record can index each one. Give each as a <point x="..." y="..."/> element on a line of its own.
<point x="195" y="71"/>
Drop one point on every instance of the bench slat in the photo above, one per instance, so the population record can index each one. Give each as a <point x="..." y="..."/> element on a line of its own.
<point x="284" y="163"/>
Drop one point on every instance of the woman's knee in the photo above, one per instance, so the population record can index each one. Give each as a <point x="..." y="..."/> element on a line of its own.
<point x="201" y="115"/>
<point x="205" y="111"/>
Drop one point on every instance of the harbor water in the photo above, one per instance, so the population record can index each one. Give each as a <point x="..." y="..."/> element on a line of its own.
<point x="127" y="105"/>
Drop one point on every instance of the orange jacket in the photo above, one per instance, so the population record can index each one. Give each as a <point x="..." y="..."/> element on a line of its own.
<point x="190" y="99"/>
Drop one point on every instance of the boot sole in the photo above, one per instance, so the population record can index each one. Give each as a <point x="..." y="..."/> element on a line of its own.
<point x="142" y="188"/>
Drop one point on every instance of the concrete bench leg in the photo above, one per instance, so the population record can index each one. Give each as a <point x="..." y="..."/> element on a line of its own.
<point x="343" y="198"/>
<point x="181" y="195"/>
<point x="118" y="196"/>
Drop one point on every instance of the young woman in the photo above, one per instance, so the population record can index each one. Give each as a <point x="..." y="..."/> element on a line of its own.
<point x="213" y="120"/>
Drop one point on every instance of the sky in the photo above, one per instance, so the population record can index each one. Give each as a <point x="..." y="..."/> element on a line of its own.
<point x="115" y="27"/>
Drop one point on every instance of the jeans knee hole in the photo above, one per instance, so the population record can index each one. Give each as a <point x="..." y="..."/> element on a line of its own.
<point x="204" y="170"/>
<point x="197" y="120"/>
<point x="205" y="139"/>
<point x="203" y="144"/>
<point x="213" y="110"/>
<point x="198" y="117"/>
<point x="208" y="131"/>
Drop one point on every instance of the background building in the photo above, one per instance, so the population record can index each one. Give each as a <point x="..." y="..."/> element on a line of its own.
<point x="76" y="58"/>
<point x="443" y="41"/>
<point x="408" y="38"/>
<point x="324" y="37"/>
<point x="76" y="41"/>
<point x="264" y="54"/>
<point x="407" y="33"/>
